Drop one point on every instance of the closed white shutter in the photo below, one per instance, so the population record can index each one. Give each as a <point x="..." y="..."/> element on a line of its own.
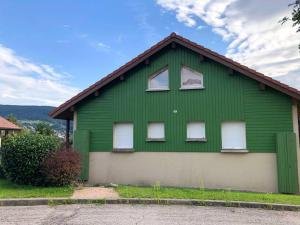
<point x="156" y="131"/>
<point x="196" y="130"/>
<point x="123" y="136"/>
<point x="233" y="135"/>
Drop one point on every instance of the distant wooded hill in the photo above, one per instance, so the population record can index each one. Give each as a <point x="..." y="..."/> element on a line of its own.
<point x="30" y="115"/>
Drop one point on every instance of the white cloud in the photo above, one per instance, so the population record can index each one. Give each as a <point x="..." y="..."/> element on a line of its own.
<point x="23" y="82"/>
<point x="251" y="29"/>
<point x="102" y="46"/>
<point x="200" y="27"/>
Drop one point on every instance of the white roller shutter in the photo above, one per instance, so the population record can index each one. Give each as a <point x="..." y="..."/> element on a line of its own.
<point x="123" y="136"/>
<point x="233" y="135"/>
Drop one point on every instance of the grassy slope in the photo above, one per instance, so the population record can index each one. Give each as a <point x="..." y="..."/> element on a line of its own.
<point x="10" y="190"/>
<point x="193" y="193"/>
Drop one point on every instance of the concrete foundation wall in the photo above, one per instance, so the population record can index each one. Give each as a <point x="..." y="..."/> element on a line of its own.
<point x="237" y="171"/>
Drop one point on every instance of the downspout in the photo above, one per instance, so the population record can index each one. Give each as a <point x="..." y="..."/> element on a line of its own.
<point x="67" y="133"/>
<point x="296" y="131"/>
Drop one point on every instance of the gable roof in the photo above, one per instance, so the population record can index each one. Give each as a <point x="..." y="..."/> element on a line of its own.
<point x="64" y="110"/>
<point x="7" y="125"/>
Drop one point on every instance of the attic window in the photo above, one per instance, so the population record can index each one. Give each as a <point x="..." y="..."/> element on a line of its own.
<point x="159" y="81"/>
<point x="191" y="79"/>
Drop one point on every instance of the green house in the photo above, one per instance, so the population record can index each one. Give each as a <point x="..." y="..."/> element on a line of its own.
<point x="183" y="115"/>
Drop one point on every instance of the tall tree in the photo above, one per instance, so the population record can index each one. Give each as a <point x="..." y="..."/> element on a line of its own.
<point x="13" y="119"/>
<point x="44" y="128"/>
<point x="295" y="17"/>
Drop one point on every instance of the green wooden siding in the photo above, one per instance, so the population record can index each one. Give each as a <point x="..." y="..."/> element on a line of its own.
<point x="225" y="97"/>
<point x="287" y="163"/>
<point x="82" y="144"/>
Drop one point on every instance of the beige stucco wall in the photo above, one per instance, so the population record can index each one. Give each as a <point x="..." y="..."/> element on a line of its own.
<point x="237" y="171"/>
<point x="296" y="130"/>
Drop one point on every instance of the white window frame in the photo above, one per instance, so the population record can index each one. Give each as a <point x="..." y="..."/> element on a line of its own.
<point x="241" y="134"/>
<point x="186" y="87"/>
<point x="188" y="131"/>
<point x="155" y="75"/>
<point x="149" y="138"/>
<point x="116" y="146"/>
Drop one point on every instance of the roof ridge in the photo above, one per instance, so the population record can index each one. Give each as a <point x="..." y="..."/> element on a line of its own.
<point x="189" y="44"/>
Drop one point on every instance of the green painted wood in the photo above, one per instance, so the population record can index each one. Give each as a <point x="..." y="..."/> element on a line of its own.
<point x="225" y="97"/>
<point x="287" y="163"/>
<point x="82" y="144"/>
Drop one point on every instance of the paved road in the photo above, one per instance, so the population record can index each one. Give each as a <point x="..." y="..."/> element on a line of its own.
<point x="140" y="214"/>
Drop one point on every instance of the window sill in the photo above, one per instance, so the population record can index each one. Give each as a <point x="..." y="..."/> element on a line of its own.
<point x="191" y="88"/>
<point x="122" y="150"/>
<point x="234" y="151"/>
<point x="196" y="140"/>
<point x="155" y="140"/>
<point x="150" y="90"/>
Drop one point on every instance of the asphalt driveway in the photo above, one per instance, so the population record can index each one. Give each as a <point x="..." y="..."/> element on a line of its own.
<point x="142" y="214"/>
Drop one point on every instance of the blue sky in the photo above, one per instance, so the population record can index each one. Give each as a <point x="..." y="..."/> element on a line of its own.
<point x="57" y="48"/>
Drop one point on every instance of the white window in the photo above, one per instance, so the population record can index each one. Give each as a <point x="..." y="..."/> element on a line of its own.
<point x="159" y="81"/>
<point x="196" y="131"/>
<point x="191" y="79"/>
<point x="156" y="131"/>
<point x="233" y="135"/>
<point x="123" y="136"/>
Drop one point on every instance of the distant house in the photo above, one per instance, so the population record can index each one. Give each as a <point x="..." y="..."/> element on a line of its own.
<point x="184" y="115"/>
<point x="7" y="127"/>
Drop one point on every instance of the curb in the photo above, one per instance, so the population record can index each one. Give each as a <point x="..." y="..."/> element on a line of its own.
<point x="146" y="201"/>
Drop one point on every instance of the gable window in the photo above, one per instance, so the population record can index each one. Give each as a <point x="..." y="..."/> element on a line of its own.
<point x="191" y="79"/>
<point x="156" y="131"/>
<point x="123" y="136"/>
<point x="234" y="135"/>
<point x="196" y="131"/>
<point x="159" y="81"/>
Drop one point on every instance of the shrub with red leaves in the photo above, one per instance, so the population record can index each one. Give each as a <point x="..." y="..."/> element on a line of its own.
<point x="61" y="167"/>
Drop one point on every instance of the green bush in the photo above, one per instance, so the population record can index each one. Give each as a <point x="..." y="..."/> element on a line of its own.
<point x="2" y="174"/>
<point x="22" y="155"/>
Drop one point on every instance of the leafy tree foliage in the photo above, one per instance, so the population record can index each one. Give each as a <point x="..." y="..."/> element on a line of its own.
<point x="44" y="129"/>
<point x="295" y="17"/>
<point x="11" y="118"/>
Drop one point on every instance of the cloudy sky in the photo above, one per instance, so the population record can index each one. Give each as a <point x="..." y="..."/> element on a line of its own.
<point x="50" y="50"/>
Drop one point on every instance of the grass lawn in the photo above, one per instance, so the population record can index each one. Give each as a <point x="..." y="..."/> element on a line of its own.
<point x="193" y="193"/>
<point x="10" y="190"/>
